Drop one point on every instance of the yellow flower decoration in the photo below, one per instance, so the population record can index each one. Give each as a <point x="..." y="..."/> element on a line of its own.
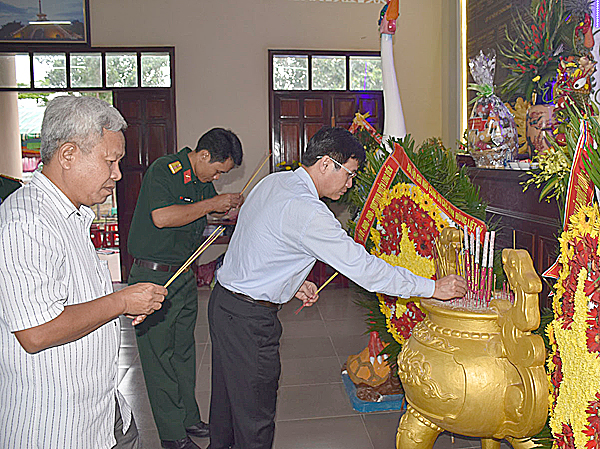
<point x="399" y="314"/>
<point x="580" y="368"/>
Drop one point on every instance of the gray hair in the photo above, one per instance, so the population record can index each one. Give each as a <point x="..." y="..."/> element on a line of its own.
<point x="80" y="120"/>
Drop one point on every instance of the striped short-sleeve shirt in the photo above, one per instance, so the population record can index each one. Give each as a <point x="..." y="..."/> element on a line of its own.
<point x="64" y="396"/>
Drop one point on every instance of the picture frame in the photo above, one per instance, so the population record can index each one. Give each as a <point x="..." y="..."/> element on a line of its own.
<point x="44" y="22"/>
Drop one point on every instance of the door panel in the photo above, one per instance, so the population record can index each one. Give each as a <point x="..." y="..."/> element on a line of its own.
<point x="313" y="108"/>
<point x="151" y="133"/>
<point x="290" y="138"/>
<point x="345" y="108"/>
<point x="296" y="116"/>
<point x="290" y="108"/>
<point x="158" y="142"/>
<point x="310" y="129"/>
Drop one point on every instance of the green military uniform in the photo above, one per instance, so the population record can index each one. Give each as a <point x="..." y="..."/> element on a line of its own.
<point x="7" y="186"/>
<point x="166" y="338"/>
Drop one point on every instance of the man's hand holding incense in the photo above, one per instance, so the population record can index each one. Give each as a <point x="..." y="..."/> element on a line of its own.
<point x="226" y="201"/>
<point x="307" y="293"/>
<point x="140" y="300"/>
<point x="449" y="287"/>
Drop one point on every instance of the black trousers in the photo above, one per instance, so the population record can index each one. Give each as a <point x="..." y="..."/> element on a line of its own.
<point x="245" y="371"/>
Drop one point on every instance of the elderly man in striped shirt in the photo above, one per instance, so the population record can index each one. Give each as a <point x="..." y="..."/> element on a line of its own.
<point x="59" y="328"/>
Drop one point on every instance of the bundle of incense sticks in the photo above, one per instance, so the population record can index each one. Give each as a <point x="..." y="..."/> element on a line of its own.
<point x="475" y="264"/>
<point x="506" y="293"/>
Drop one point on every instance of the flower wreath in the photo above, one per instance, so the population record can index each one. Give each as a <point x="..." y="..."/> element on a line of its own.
<point x="574" y="362"/>
<point x="408" y="223"/>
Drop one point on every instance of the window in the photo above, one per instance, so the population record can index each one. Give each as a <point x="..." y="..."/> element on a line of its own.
<point x="121" y="70"/>
<point x="49" y="70"/>
<point x="326" y="71"/>
<point x="290" y="72"/>
<point x="365" y="73"/>
<point x="156" y="70"/>
<point x="309" y="89"/>
<point x="93" y="69"/>
<point x="86" y="70"/>
<point x="329" y="73"/>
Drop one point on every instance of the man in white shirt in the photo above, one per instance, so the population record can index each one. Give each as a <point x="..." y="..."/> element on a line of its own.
<point x="283" y="228"/>
<point x="59" y="327"/>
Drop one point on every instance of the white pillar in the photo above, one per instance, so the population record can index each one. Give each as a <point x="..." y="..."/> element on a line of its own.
<point x="394" y="125"/>
<point x="11" y="163"/>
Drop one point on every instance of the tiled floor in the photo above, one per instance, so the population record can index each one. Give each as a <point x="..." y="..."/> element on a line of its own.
<point x="313" y="410"/>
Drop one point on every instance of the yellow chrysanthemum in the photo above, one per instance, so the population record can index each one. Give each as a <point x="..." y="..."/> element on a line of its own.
<point x="408" y="256"/>
<point x="409" y="259"/>
<point x="580" y="368"/>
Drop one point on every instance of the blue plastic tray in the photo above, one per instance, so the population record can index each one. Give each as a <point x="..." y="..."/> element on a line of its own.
<point x="389" y="402"/>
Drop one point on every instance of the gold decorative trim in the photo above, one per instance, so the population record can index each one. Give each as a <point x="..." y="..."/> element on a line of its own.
<point x="414" y="370"/>
<point x="456" y="333"/>
<point x="422" y="419"/>
<point x="426" y="337"/>
<point x="406" y="428"/>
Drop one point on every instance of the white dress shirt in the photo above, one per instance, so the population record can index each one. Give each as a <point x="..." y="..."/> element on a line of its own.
<point x="64" y="396"/>
<point x="283" y="228"/>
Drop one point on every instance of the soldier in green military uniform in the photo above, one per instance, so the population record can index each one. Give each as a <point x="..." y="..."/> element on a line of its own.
<point x="7" y="186"/>
<point x="169" y="219"/>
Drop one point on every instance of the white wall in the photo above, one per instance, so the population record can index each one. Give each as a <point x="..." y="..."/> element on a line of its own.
<point x="222" y="67"/>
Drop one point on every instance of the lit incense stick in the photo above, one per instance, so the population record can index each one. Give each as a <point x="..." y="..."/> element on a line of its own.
<point x="319" y="289"/>
<point x="256" y="173"/>
<point x="490" y="267"/>
<point x="216" y="233"/>
<point x="484" y="262"/>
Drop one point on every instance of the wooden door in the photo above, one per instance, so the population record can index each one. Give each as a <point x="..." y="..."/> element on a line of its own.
<point x="151" y="133"/>
<point x="297" y="116"/>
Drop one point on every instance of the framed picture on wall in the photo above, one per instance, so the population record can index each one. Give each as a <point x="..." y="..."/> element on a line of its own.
<point x="25" y="22"/>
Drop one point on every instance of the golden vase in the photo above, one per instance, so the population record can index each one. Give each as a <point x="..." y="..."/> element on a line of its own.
<point x="477" y="373"/>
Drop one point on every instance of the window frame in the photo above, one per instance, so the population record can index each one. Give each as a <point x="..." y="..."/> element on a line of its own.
<point x="68" y="50"/>
<point x="310" y="54"/>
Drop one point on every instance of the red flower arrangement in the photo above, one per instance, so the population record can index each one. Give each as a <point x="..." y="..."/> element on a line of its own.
<point x="557" y="375"/>
<point x="593" y="331"/>
<point x="422" y="228"/>
<point x="592" y="430"/>
<point x="565" y="439"/>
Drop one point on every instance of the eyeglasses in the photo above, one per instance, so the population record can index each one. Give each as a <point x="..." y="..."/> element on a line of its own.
<point x="351" y="174"/>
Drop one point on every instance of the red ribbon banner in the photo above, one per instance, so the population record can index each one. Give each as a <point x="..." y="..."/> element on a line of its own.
<point x="580" y="191"/>
<point x="398" y="159"/>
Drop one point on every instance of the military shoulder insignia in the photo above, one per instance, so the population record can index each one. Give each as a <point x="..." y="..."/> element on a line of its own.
<point x="175" y="167"/>
<point x="187" y="176"/>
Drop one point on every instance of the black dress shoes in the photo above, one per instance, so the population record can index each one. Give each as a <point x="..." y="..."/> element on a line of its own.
<point x="184" y="443"/>
<point x="198" y="430"/>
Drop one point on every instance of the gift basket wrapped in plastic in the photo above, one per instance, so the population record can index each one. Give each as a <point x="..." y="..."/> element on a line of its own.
<point x="492" y="133"/>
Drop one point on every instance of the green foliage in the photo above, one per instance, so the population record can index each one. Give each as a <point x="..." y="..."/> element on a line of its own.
<point x="329" y="72"/>
<point x="592" y="162"/>
<point x="86" y="71"/>
<point x="8" y="28"/>
<point x="366" y="74"/>
<point x="554" y="171"/>
<point x="39" y="97"/>
<point x="376" y="322"/>
<point x="532" y="55"/>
